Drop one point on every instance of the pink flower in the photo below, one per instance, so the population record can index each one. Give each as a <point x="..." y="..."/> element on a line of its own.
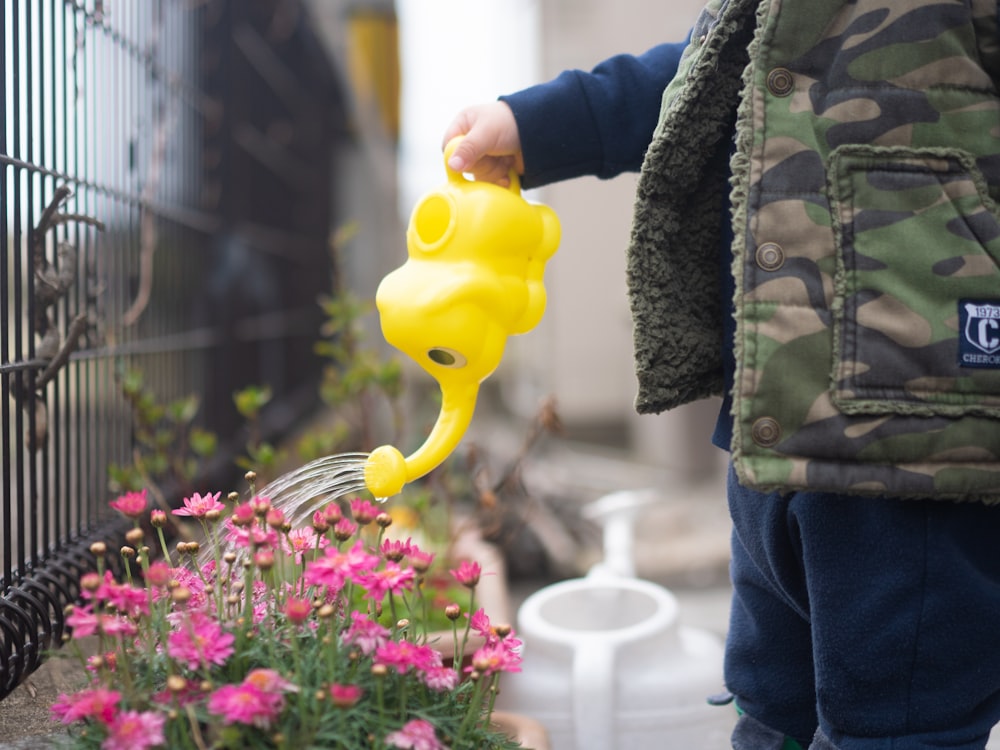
<point x="495" y="656"/>
<point x="84" y="623"/>
<point x="98" y="704"/>
<point x="345" y="696"/>
<point x="261" y="505"/>
<point x="297" y="610"/>
<point x="440" y="679"/>
<point x="198" y="505"/>
<point x="131" y="504"/>
<point x="419" y="559"/>
<point x="402" y="655"/>
<point x="243" y="515"/>
<point x="395" y="550"/>
<point x="365" y="633"/>
<point x="344" y="529"/>
<point x="249" y="535"/>
<point x="135" y="730"/>
<point x="199" y="641"/>
<point x="391" y="579"/>
<point x="303" y="541"/>
<point x="275" y="518"/>
<point x="128" y="600"/>
<point x="159" y="574"/>
<point x="269" y="681"/>
<point x="480" y="623"/>
<point x="363" y="511"/>
<point x="417" y="734"/>
<point x="467" y="573"/>
<point x="245" y="704"/>
<point x="333" y="569"/>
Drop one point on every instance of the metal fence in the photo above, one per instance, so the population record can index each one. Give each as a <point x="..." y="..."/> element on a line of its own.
<point x="165" y="185"/>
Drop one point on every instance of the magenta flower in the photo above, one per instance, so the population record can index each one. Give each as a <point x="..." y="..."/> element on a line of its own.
<point x="480" y="623"/>
<point x="395" y="550"/>
<point x="200" y="640"/>
<point x="97" y="704"/>
<point x="197" y="505"/>
<point x="335" y="567"/>
<point x="128" y="600"/>
<point x="417" y="734"/>
<point x="345" y="696"/>
<point x="82" y="621"/>
<point x="467" y="573"/>
<point x="131" y="504"/>
<point x="402" y="655"/>
<point x="245" y="704"/>
<point x="345" y="528"/>
<point x="365" y="633"/>
<point x="363" y="511"/>
<point x="391" y="579"/>
<point x="297" y="610"/>
<point x="495" y="656"/>
<point x="135" y="730"/>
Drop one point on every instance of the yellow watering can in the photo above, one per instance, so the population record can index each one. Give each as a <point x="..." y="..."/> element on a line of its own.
<point x="473" y="277"/>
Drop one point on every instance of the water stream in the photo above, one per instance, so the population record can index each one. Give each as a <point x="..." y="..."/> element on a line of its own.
<point x="301" y="492"/>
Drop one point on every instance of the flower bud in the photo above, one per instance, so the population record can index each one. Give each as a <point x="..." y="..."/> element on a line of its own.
<point x="384" y="520"/>
<point x="213" y="515"/>
<point x="176" y="683"/>
<point x="91" y="581"/>
<point x="134" y="537"/>
<point x="453" y="612"/>
<point x="181" y="595"/>
<point x="157" y="518"/>
<point x="264" y="559"/>
<point x="275" y="518"/>
<point x="99" y="549"/>
<point x="127" y="552"/>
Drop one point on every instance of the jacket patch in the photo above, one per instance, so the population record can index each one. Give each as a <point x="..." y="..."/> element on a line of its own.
<point x="979" y="343"/>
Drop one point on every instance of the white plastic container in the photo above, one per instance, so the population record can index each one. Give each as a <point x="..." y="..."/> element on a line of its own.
<point x="606" y="667"/>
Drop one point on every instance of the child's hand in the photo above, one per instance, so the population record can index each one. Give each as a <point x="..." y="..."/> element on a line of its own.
<point x="491" y="147"/>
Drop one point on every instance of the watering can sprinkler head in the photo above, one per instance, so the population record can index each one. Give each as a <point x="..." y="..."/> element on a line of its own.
<point x="476" y="255"/>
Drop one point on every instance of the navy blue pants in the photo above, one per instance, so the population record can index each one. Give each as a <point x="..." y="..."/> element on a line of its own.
<point x="863" y="623"/>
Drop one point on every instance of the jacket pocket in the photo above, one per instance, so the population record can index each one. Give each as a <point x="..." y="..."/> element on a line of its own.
<point x="916" y="308"/>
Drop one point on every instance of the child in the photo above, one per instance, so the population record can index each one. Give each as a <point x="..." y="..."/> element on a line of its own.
<point x="815" y="237"/>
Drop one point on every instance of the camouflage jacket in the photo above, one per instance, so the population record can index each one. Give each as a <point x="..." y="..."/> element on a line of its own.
<point x="867" y="241"/>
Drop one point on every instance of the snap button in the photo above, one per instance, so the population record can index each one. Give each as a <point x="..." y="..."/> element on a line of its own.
<point x="766" y="432"/>
<point x="780" y="82"/>
<point x="702" y="38"/>
<point x="770" y="256"/>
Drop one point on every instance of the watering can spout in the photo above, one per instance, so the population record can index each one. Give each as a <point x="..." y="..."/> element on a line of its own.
<point x="386" y="471"/>
<point x="476" y="254"/>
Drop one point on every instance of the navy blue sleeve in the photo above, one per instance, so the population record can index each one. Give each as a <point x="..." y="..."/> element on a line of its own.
<point x="597" y="123"/>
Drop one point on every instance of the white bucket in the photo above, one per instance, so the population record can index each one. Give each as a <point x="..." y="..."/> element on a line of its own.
<point x="607" y="667"/>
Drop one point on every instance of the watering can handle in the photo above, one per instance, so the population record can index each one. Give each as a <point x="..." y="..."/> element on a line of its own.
<point x="594" y="692"/>
<point x="449" y="149"/>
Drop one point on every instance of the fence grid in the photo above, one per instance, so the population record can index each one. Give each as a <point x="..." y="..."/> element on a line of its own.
<point x="165" y="203"/>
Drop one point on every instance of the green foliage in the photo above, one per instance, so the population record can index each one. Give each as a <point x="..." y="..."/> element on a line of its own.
<point x="168" y="445"/>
